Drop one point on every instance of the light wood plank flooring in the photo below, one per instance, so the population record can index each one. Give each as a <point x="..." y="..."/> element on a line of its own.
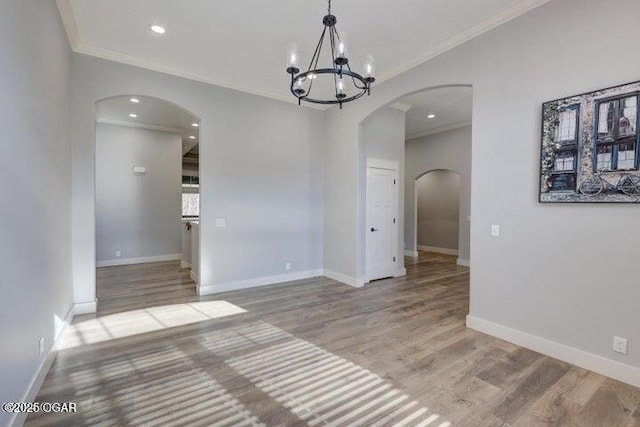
<point x="313" y="352"/>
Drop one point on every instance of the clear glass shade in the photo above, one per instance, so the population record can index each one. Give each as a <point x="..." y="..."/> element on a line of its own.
<point x="292" y="56"/>
<point x="341" y="86"/>
<point x="342" y="45"/>
<point x="369" y="66"/>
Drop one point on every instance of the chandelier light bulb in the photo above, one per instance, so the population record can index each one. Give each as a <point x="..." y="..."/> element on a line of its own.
<point x="341" y="87"/>
<point x="292" y="58"/>
<point x="369" y="67"/>
<point x="298" y="87"/>
<point x="343" y="45"/>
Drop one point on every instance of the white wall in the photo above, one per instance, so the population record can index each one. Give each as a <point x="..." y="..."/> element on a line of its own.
<point x="382" y="138"/>
<point x="35" y="185"/>
<point x="260" y="168"/>
<point x="447" y="150"/>
<point x="137" y="215"/>
<point x="438" y="200"/>
<point x="560" y="273"/>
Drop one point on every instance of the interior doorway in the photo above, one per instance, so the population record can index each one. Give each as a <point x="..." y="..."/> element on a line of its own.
<point x="147" y="201"/>
<point x="381" y="212"/>
<point x="437" y="205"/>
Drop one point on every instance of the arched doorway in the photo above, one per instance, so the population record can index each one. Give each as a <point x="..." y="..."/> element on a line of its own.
<point x="146" y="175"/>
<point x="437" y="211"/>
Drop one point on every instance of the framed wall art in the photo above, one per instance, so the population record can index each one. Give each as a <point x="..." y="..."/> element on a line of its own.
<point x="590" y="150"/>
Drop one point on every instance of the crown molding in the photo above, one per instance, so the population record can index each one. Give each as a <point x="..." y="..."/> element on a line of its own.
<point x="473" y="32"/>
<point x="141" y="126"/>
<point x="400" y="106"/>
<point x="453" y="126"/>
<point x="69" y="22"/>
<point x="113" y="55"/>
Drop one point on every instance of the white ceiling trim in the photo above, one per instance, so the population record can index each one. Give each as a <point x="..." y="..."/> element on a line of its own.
<point x="141" y="126"/>
<point x="68" y="20"/>
<point x="116" y="56"/>
<point x="440" y="129"/>
<point x="473" y="32"/>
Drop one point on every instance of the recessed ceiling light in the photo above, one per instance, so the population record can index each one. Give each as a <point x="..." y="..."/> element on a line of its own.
<point x="431" y="116"/>
<point x="158" y="29"/>
<point x="134" y="100"/>
<point x="192" y="137"/>
<point x="133" y="115"/>
<point x="195" y="125"/>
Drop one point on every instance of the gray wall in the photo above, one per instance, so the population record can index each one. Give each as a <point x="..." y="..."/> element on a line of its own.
<point x="139" y="215"/>
<point x="447" y="150"/>
<point x="577" y="288"/>
<point x="438" y="200"/>
<point x="260" y="168"/>
<point x="382" y="138"/>
<point x="35" y="184"/>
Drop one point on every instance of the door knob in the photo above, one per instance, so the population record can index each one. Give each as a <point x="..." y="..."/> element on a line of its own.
<point x="373" y="229"/>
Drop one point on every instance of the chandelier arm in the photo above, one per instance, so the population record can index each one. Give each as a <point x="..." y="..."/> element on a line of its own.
<point x="316" y="54"/>
<point x="355" y="81"/>
<point x="332" y="33"/>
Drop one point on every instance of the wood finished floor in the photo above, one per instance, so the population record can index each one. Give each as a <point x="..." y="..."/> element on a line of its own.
<point x="312" y="352"/>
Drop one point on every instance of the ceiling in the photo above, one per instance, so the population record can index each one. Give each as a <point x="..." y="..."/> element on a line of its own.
<point x="152" y="113"/>
<point x="241" y="44"/>
<point x="451" y="107"/>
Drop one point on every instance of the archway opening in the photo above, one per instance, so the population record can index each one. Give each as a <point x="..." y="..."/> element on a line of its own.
<point x="424" y="130"/>
<point x="437" y="205"/>
<point x="147" y="212"/>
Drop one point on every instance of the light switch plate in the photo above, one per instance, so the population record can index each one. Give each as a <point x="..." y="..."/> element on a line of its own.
<point x="221" y="222"/>
<point x="495" y="230"/>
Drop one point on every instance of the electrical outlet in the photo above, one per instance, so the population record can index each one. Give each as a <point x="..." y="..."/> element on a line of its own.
<point x="620" y="345"/>
<point x="287" y="266"/>
<point x="495" y="230"/>
<point x="117" y="253"/>
<point x="41" y="345"/>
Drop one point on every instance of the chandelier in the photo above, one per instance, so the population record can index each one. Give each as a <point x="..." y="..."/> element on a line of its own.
<point x="347" y="84"/>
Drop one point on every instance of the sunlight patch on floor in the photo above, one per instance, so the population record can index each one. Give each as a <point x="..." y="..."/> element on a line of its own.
<point x="324" y="389"/>
<point x="146" y="320"/>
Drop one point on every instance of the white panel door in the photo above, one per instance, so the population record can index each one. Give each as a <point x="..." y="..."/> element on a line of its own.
<point x="381" y="241"/>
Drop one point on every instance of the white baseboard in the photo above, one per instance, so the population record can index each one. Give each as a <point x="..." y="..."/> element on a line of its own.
<point x="610" y="368"/>
<point x="412" y="254"/>
<point x="464" y="262"/>
<point x="85" y="308"/>
<point x="437" y="250"/>
<point x="401" y="272"/>
<point x="184" y="264"/>
<point x="18" y="419"/>
<point x="259" y="281"/>
<point x="343" y="278"/>
<point x="143" y="260"/>
<point x="194" y="276"/>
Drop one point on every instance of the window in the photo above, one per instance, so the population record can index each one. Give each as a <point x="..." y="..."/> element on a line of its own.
<point x="565" y="161"/>
<point x="567" y="125"/>
<point x="563" y="176"/>
<point x="190" y="197"/>
<point x="617" y="121"/>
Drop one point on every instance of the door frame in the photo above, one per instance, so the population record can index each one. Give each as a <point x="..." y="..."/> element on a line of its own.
<point x="393" y="165"/>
